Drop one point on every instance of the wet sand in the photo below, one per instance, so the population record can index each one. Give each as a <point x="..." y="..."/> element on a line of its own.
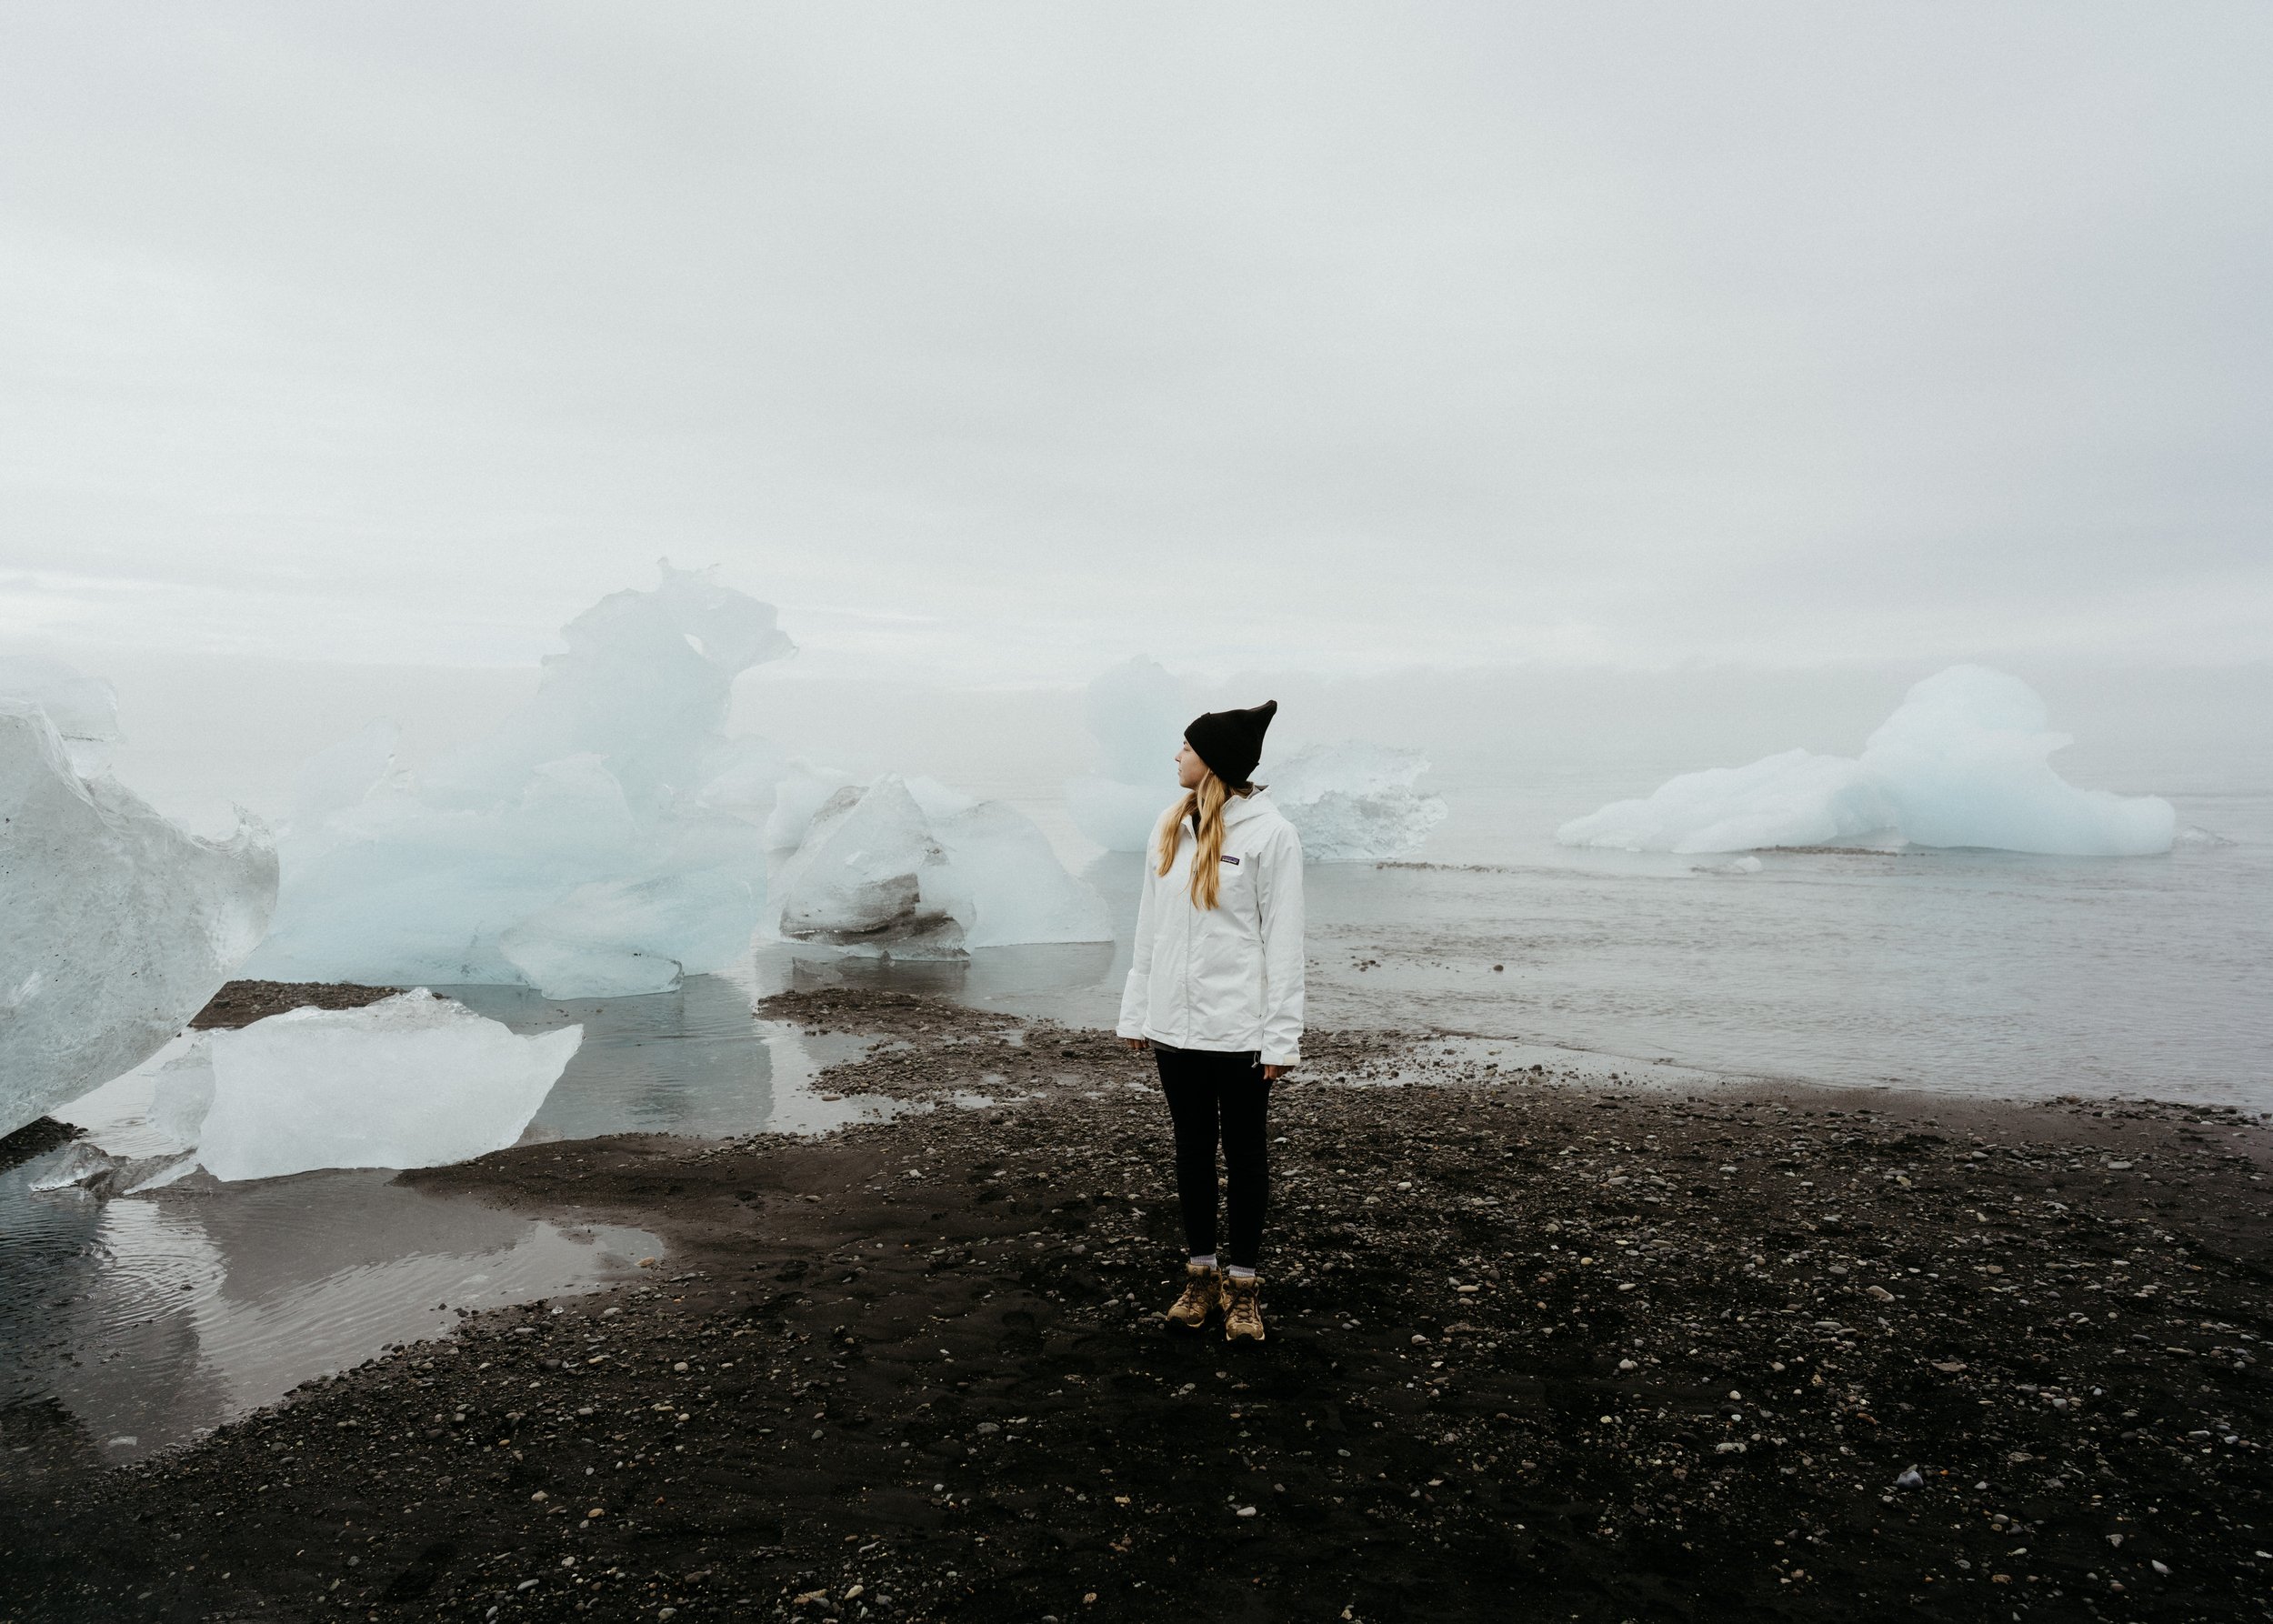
<point x="1537" y="1351"/>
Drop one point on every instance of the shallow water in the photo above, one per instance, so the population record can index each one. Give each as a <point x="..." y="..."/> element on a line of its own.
<point x="144" y="1321"/>
<point x="695" y="1061"/>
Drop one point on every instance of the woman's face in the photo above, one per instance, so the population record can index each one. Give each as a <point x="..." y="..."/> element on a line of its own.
<point x="1189" y="768"/>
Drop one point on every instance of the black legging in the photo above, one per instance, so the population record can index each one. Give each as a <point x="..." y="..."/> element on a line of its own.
<point x="1213" y="1094"/>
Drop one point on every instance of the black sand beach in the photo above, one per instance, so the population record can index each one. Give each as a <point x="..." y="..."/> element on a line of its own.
<point x="1536" y="1351"/>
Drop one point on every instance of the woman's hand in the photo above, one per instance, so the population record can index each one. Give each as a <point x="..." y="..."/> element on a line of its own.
<point x="1137" y="1042"/>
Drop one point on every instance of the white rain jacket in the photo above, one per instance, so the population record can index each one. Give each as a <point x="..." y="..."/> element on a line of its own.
<point x="1229" y="977"/>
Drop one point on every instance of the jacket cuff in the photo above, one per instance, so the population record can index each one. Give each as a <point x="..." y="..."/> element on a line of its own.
<point x="1286" y="1058"/>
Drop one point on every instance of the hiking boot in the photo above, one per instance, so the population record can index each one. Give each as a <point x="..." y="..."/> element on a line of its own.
<point x="1203" y="1295"/>
<point x="1242" y="1309"/>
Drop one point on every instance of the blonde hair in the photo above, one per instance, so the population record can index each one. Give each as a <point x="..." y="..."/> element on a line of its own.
<point x="1208" y="801"/>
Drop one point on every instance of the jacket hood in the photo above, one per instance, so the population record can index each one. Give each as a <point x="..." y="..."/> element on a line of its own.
<point x="1240" y="808"/>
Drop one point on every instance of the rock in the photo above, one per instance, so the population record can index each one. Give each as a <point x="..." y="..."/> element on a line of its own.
<point x="1909" y="1479"/>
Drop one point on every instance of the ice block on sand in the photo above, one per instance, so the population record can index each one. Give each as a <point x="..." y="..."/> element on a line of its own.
<point x="915" y="869"/>
<point x="119" y="924"/>
<point x="859" y="876"/>
<point x="412" y="1081"/>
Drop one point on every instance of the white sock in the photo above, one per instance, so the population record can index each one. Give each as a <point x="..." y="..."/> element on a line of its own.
<point x="1238" y="1273"/>
<point x="1207" y="1262"/>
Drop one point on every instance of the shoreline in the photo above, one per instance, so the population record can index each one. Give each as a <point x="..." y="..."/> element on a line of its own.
<point x="1532" y="1359"/>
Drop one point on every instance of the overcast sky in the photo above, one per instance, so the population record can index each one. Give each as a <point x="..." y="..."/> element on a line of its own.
<point x="999" y="342"/>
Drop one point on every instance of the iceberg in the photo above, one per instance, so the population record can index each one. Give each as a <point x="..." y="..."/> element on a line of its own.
<point x="1965" y="761"/>
<point x="604" y="840"/>
<point x="1005" y="886"/>
<point x="1355" y="802"/>
<point x="743" y="778"/>
<point x="82" y="1166"/>
<point x="83" y="709"/>
<point x="411" y="1081"/>
<point x="1116" y="815"/>
<point x="1351" y="803"/>
<point x="102" y="1174"/>
<point x="912" y="867"/>
<point x="1136" y="713"/>
<point x="1795" y="799"/>
<point x="120" y="923"/>
<point x="859" y="875"/>
<point x="181" y="1091"/>
<point x="799" y="796"/>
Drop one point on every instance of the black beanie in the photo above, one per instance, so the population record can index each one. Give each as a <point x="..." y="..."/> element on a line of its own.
<point x="1231" y="741"/>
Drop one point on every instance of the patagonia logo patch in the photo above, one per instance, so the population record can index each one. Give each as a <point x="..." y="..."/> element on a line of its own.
<point x="1230" y="859"/>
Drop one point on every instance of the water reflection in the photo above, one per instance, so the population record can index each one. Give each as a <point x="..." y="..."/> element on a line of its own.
<point x="145" y="1321"/>
<point x="696" y="1061"/>
<point x="1042" y="975"/>
<point x="138" y="1322"/>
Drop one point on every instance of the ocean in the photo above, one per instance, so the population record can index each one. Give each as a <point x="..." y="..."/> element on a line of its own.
<point x="1993" y="974"/>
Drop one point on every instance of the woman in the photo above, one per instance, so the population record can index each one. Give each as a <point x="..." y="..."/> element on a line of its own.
<point x="1216" y="993"/>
